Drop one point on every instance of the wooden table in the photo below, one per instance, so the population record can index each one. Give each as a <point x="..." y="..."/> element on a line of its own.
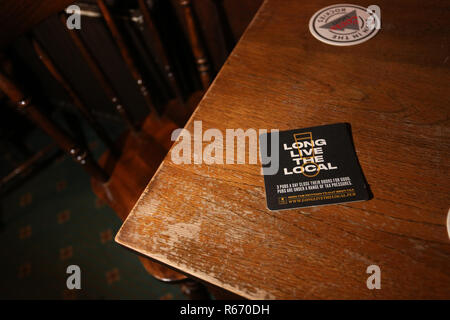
<point x="211" y="221"/>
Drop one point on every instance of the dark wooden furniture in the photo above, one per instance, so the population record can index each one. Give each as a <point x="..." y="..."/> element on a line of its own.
<point x="19" y="16"/>
<point x="211" y="221"/>
<point x="84" y="110"/>
<point x="101" y="77"/>
<point x="161" y="50"/>
<point x="24" y="104"/>
<point x="122" y="173"/>
<point x="141" y="156"/>
<point x="118" y="179"/>
<point x="25" y="168"/>
<point x="198" y="49"/>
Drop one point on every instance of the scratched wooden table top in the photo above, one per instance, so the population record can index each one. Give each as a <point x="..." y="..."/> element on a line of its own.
<point x="211" y="221"/>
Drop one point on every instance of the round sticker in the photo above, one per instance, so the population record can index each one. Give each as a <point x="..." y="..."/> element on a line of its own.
<point x="344" y="24"/>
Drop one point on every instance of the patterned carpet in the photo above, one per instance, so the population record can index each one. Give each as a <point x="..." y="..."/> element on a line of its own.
<point x="54" y="220"/>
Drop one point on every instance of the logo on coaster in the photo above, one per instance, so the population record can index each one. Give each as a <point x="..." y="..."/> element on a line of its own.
<point x="345" y="24"/>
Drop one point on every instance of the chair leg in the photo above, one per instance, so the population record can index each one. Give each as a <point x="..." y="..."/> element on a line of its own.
<point x="101" y="77"/>
<point x="64" y="141"/>
<point x="86" y="112"/>
<point x="198" y="48"/>
<point x="195" y="290"/>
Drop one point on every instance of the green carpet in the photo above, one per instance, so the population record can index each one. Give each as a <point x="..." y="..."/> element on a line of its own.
<point x="54" y="220"/>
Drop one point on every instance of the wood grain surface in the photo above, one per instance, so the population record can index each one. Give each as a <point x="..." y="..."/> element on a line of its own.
<point x="211" y="221"/>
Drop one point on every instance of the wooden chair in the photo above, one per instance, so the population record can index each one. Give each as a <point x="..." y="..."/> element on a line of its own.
<point x="122" y="173"/>
<point x="123" y="189"/>
<point x="116" y="179"/>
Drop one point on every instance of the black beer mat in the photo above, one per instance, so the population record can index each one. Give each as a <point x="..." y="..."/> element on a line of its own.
<point x="317" y="166"/>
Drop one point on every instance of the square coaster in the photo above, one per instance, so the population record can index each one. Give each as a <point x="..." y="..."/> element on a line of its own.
<point x="316" y="166"/>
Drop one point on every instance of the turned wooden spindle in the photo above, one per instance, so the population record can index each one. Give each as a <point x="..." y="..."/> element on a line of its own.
<point x="65" y="142"/>
<point x="51" y="67"/>
<point x="100" y="76"/>
<point x="161" y="50"/>
<point x="198" y="48"/>
<point x="224" y="26"/>
<point x="26" y="167"/>
<point x="126" y="55"/>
